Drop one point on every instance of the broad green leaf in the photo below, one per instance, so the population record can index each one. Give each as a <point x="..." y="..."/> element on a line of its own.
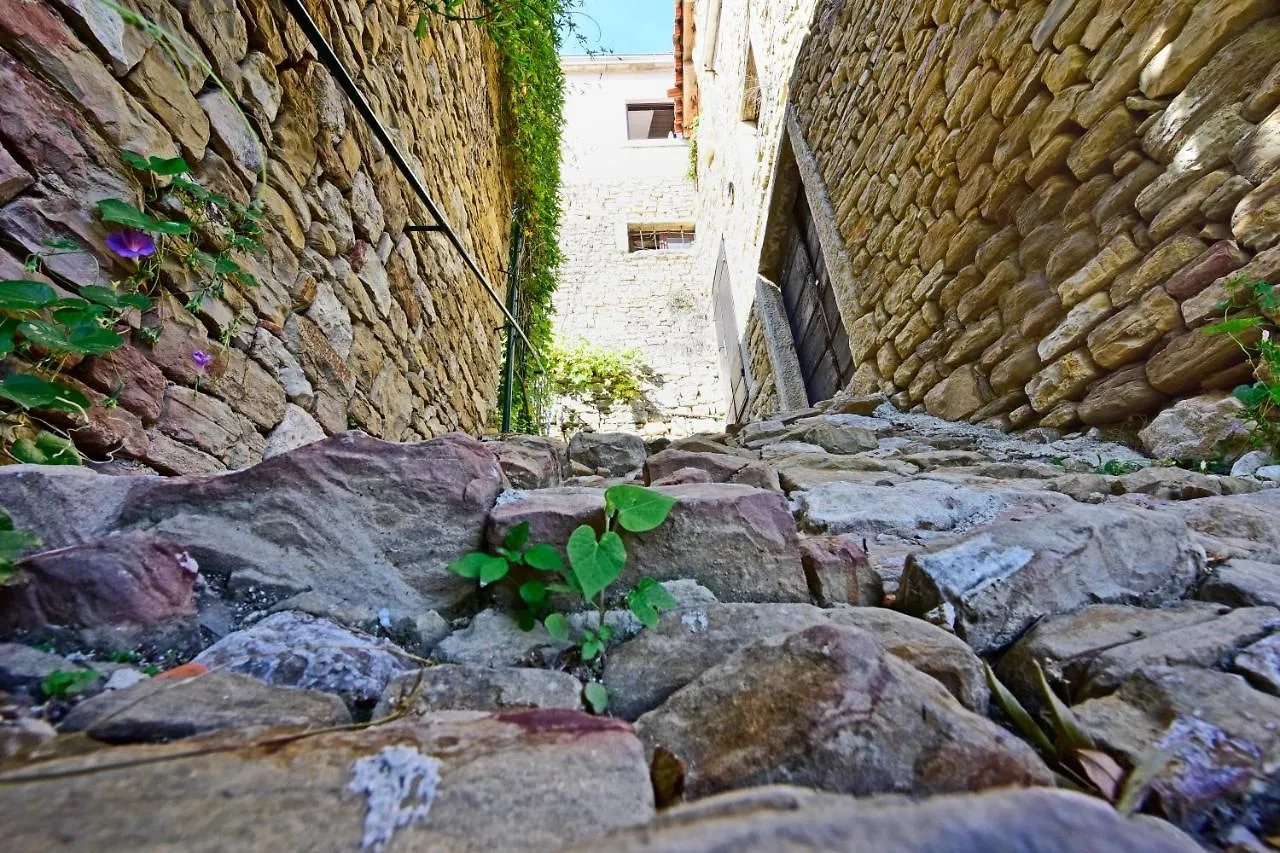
<point x="57" y="449"/>
<point x="469" y="565"/>
<point x="596" y="564"/>
<point x="137" y="161"/>
<point x="167" y="166"/>
<point x="597" y="696"/>
<point x="544" y="558"/>
<point x="656" y="594"/>
<point x="172" y="227"/>
<point x="123" y="213"/>
<point x="1013" y="708"/>
<point x="6" y="521"/>
<point x="25" y="450"/>
<point x="526" y="620"/>
<point x="643" y="610"/>
<point x="533" y="593"/>
<point x="23" y="295"/>
<point x="605" y="634"/>
<point x="1233" y="326"/>
<point x="494" y="570"/>
<point x="557" y="626"/>
<point x="15" y="543"/>
<point x="7" y="327"/>
<point x="1064" y="722"/>
<point x="1252" y="395"/>
<point x="590" y="649"/>
<point x="89" y="338"/>
<point x="420" y="30"/>
<point x="110" y="298"/>
<point x="639" y="509"/>
<point x="517" y="536"/>
<point x="32" y="392"/>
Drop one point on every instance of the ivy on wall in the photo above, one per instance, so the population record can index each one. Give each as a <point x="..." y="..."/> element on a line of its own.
<point x="527" y="34"/>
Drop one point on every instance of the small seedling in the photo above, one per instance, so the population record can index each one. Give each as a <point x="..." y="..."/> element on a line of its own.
<point x="62" y="683"/>
<point x="596" y="561"/>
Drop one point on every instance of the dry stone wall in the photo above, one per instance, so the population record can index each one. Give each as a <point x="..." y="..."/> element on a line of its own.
<point x="354" y="321"/>
<point x="1043" y="202"/>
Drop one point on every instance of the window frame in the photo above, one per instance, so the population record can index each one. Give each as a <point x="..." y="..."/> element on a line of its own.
<point x="640" y="103"/>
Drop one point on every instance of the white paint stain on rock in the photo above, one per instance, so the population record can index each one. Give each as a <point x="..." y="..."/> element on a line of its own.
<point x="400" y="783"/>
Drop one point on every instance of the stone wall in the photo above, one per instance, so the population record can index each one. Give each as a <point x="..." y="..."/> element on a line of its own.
<point x="737" y="159"/>
<point x="652" y="302"/>
<point x="1041" y="202"/>
<point x="354" y="321"/>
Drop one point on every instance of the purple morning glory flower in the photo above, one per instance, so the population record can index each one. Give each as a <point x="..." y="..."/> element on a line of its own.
<point x="202" y="359"/>
<point x="131" y="244"/>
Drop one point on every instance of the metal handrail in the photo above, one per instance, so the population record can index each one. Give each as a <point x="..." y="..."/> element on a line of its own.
<point x="339" y="71"/>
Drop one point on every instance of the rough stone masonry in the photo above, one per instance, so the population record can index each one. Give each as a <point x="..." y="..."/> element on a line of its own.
<point x="355" y="321"/>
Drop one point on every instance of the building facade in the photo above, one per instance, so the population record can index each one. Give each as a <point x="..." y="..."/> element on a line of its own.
<point x="1005" y="213"/>
<point x="628" y="281"/>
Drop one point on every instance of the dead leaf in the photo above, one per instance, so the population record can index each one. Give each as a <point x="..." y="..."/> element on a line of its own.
<point x="666" y="773"/>
<point x="1102" y="771"/>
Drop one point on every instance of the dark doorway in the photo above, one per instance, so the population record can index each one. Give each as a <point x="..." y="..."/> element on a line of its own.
<point x="731" y="360"/>
<point x="822" y="344"/>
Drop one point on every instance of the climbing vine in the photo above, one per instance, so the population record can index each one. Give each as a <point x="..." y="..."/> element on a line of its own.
<point x="527" y="34"/>
<point x="1250" y="315"/>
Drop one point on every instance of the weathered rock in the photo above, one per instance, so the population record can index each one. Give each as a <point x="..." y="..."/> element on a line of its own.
<point x="1237" y="526"/>
<point x="764" y="820"/>
<point x="63" y="505"/>
<point x="837" y="438"/>
<point x="1220" y="731"/>
<point x="126" y="583"/>
<point x="838" y="571"/>
<point x="1243" y="583"/>
<point x="1203" y="644"/>
<point x="914" y="509"/>
<point x="173" y="708"/>
<point x="306" y="520"/>
<point x="994" y="582"/>
<point x="719" y="467"/>
<point x="740" y="542"/>
<point x="433" y="783"/>
<point x="616" y="453"/>
<point x="449" y="687"/>
<point x="1199" y="428"/>
<point x="23" y="668"/>
<point x="294" y="649"/>
<point x="1065" y="646"/>
<point x="644" y="671"/>
<point x="1260" y="663"/>
<point x="529" y="462"/>
<point x="297" y="429"/>
<point x="827" y="708"/>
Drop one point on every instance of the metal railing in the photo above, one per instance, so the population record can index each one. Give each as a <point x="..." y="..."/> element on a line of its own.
<point x="331" y="61"/>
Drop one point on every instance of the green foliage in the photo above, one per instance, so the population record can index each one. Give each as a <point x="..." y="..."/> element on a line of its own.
<point x="1251" y="314"/>
<point x="599" y="378"/>
<point x="527" y="36"/>
<point x="62" y="683"/>
<point x="1070" y="750"/>
<point x="1117" y="468"/>
<point x="596" y="560"/>
<point x="13" y="544"/>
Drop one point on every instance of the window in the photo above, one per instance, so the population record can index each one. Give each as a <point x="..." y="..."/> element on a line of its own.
<point x="642" y="238"/>
<point x="651" y="121"/>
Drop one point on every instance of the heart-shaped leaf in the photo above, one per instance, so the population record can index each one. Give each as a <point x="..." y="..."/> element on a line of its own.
<point x="517" y="536"/>
<point x="123" y="213"/>
<point x="32" y="392"/>
<point x="596" y="563"/>
<point x="494" y="570"/>
<point x="23" y="295"/>
<point x="597" y="696"/>
<point x="639" y="509"/>
<point x="590" y="649"/>
<point x="469" y="565"/>
<point x="533" y="593"/>
<point x="526" y="620"/>
<point x="643" y="610"/>
<point x="544" y="558"/>
<point x="557" y="626"/>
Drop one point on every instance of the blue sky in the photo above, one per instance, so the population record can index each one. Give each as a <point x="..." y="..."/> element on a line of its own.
<point x="624" y="26"/>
